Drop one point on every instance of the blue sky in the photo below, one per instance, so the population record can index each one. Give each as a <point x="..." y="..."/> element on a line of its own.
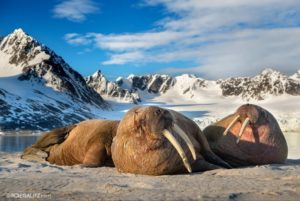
<point x="210" y="38"/>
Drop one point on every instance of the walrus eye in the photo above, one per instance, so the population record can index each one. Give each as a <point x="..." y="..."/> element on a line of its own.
<point x="158" y="112"/>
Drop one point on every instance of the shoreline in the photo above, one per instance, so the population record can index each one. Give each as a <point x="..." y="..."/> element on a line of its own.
<point x="268" y="182"/>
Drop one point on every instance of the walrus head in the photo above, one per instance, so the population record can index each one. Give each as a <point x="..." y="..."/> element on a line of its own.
<point x="263" y="141"/>
<point x="248" y="115"/>
<point x="158" y="124"/>
<point x="151" y="120"/>
<point x="151" y="129"/>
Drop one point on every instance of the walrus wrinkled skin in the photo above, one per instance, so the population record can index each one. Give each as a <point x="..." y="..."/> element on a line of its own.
<point x="250" y="136"/>
<point x="87" y="143"/>
<point x="156" y="141"/>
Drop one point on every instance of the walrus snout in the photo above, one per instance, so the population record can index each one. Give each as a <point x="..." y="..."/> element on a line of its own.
<point x="167" y="118"/>
<point x="248" y="115"/>
<point x="161" y="116"/>
<point x="248" y="111"/>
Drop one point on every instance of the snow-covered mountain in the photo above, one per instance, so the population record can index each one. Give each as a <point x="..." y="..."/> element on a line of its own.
<point x="260" y="87"/>
<point x="296" y="76"/>
<point x="268" y="83"/>
<point x="111" y="90"/>
<point x="130" y="89"/>
<point x="38" y="89"/>
<point x="149" y="83"/>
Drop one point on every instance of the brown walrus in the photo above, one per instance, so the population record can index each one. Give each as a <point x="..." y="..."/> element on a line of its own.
<point x="156" y="141"/>
<point x="87" y="143"/>
<point x="250" y="136"/>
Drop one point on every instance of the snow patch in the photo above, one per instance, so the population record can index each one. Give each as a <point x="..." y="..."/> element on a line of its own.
<point x="7" y="69"/>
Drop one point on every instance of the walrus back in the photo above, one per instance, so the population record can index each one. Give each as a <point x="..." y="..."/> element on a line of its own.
<point x="39" y="151"/>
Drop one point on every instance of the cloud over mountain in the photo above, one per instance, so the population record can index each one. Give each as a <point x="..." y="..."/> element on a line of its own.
<point x="217" y="38"/>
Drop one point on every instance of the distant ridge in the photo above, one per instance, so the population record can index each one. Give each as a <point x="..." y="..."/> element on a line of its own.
<point x="260" y="87"/>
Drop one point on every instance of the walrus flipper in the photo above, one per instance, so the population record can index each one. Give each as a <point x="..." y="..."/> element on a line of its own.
<point x="34" y="154"/>
<point x="55" y="136"/>
<point x="202" y="165"/>
<point x="40" y="150"/>
<point x="208" y="154"/>
<point x="213" y="158"/>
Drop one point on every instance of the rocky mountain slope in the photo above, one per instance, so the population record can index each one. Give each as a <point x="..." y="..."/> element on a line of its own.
<point x="38" y="89"/>
<point x="129" y="89"/>
<point x="109" y="89"/>
<point x="269" y="82"/>
<point x="260" y="87"/>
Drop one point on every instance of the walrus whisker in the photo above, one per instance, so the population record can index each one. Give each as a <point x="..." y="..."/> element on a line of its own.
<point x="245" y="123"/>
<point x="231" y="124"/>
<point x="178" y="148"/>
<point x="187" y="140"/>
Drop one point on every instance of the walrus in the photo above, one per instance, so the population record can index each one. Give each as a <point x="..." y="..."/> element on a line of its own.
<point x="250" y="136"/>
<point x="155" y="141"/>
<point x="87" y="143"/>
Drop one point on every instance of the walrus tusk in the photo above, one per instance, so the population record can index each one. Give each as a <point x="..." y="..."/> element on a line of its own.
<point x="231" y="124"/>
<point x="245" y="123"/>
<point x="187" y="140"/>
<point x="178" y="148"/>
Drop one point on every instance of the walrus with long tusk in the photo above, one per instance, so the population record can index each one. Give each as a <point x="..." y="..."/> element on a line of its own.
<point x="155" y="141"/>
<point x="87" y="143"/>
<point x="250" y="136"/>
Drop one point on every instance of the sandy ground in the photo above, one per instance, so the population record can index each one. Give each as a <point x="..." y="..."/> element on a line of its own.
<point x="40" y="181"/>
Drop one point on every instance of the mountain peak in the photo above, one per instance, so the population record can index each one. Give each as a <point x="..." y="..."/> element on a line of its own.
<point x="109" y="89"/>
<point x="19" y="32"/>
<point x="97" y="74"/>
<point x="296" y="76"/>
<point x="130" y="76"/>
<point x="269" y="71"/>
<point x="21" y="50"/>
<point x="19" y="37"/>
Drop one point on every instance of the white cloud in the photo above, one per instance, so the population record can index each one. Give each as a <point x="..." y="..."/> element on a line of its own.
<point x="244" y="53"/>
<point x="75" y="10"/>
<point x="84" y="51"/>
<point x="223" y="38"/>
<point x="123" y="58"/>
<point x="207" y="16"/>
<point x="124" y="42"/>
<point x="275" y="48"/>
<point x="130" y="42"/>
<point x="76" y="39"/>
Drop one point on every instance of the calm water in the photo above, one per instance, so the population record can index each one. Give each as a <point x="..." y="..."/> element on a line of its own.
<point x="17" y="143"/>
